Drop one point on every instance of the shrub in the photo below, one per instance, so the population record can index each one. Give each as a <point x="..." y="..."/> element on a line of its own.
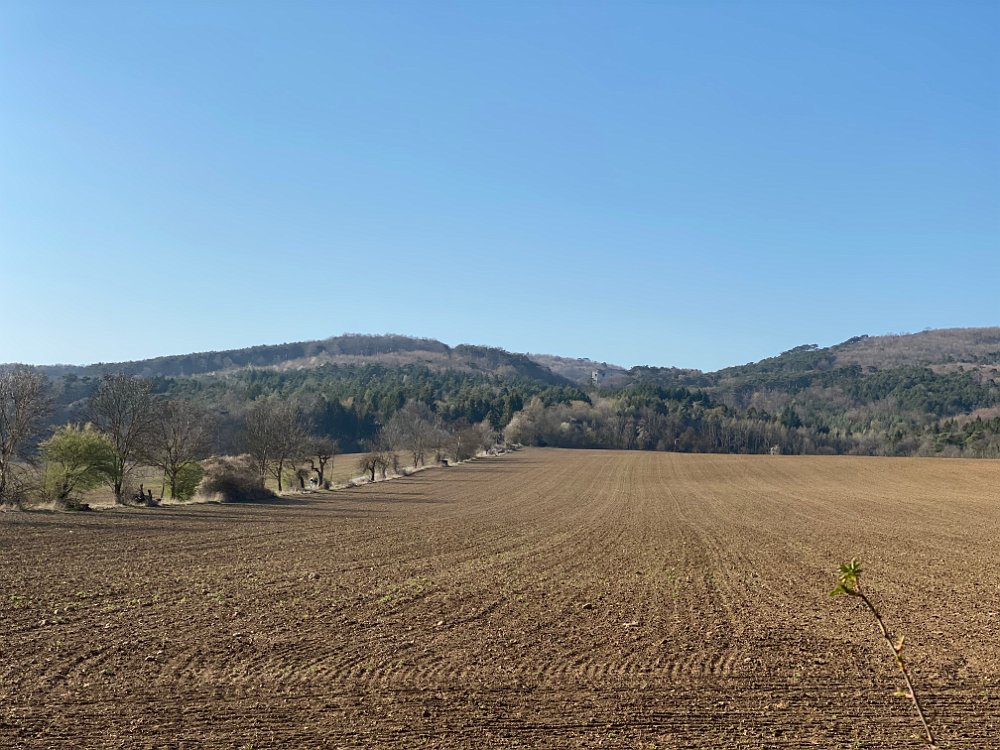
<point x="231" y="479"/>
<point x="188" y="478"/>
<point x="22" y="489"/>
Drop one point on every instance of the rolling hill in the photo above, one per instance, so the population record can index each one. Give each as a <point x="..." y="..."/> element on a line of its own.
<point x="936" y="392"/>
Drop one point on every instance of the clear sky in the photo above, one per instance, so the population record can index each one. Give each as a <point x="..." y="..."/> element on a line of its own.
<point x="695" y="184"/>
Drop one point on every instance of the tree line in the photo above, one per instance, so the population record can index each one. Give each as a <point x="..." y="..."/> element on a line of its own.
<point x="125" y="426"/>
<point x="125" y="423"/>
<point x="348" y="403"/>
<point x="291" y="423"/>
<point x="904" y="412"/>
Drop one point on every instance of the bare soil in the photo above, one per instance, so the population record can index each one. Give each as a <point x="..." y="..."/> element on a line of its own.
<point x="543" y="599"/>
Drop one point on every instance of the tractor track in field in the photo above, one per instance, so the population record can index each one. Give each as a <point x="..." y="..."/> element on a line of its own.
<point x="542" y="599"/>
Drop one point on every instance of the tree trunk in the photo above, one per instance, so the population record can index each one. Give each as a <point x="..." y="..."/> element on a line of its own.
<point x="281" y="465"/>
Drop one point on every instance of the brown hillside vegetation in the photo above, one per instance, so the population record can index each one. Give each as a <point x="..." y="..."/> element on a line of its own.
<point x="388" y="350"/>
<point x="969" y="346"/>
<point x="541" y="599"/>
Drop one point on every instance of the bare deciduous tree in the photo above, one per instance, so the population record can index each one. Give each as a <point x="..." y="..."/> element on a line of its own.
<point x="122" y="409"/>
<point x="369" y="464"/>
<point x="258" y="434"/>
<point x="321" y="452"/>
<point x="289" y="440"/>
<point x="622" y="430"/>
<point x="380" y="461"/>
<point x="23" y="404"/>
<point x="487" y="436"/>
<point x="177" y="438"/>
<point x="465" y="441"/>
<point x="415" y="429"/>
<point x="273" y="435"/>
<point x="388" y="460"/>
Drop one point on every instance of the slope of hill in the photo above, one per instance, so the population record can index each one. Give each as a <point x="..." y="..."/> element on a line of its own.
<point x="935" y="392"/>
<point x="940" y="349"/>
<point x="971" y="354"/>
<point x="349" y="349"/>
<point x="581" y="370"/>
<point x="965" y="346"/>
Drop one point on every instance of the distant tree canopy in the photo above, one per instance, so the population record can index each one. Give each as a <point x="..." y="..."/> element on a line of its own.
<point x="799" y="402"/>
<point x="397" y="391"/>
<point x="350" y="403"/>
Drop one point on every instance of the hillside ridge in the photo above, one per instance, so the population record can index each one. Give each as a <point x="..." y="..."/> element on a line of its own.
<point x="942" y="347"/>
<point x="931" y="393"/>
<point x="350" y="348"/>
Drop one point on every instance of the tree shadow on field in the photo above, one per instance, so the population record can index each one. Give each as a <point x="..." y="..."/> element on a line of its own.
<point x="356" y="496"/>
<point x="47" y="520"/>
<point x="286" y="515"/>
<point x="166" y="518"/>
<point x="276" y="501"/>
<point x="285" y="508"/>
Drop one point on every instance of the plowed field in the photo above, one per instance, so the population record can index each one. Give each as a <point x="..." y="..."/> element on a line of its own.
<point x="541" y="599"/>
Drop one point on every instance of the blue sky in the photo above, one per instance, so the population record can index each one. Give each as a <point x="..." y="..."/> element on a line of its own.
<point x="696" y="184"/>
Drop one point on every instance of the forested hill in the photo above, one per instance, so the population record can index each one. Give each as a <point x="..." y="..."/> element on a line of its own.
<point x="936" y="392"/>
<point x="930" y="393"/>
<point x="349" y="349"/>
<point x="942" y="350"/>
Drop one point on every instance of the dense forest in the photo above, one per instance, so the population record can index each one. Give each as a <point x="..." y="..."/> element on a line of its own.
<point x="349" y="403"/>
<point x="901" y="411"/>
<point x="934" y="393"/>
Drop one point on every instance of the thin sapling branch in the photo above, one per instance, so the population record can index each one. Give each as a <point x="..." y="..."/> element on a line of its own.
<point x="849" y="584"/>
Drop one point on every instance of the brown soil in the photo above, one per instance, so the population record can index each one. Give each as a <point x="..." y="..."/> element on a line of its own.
<point x="542" y="599"/>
